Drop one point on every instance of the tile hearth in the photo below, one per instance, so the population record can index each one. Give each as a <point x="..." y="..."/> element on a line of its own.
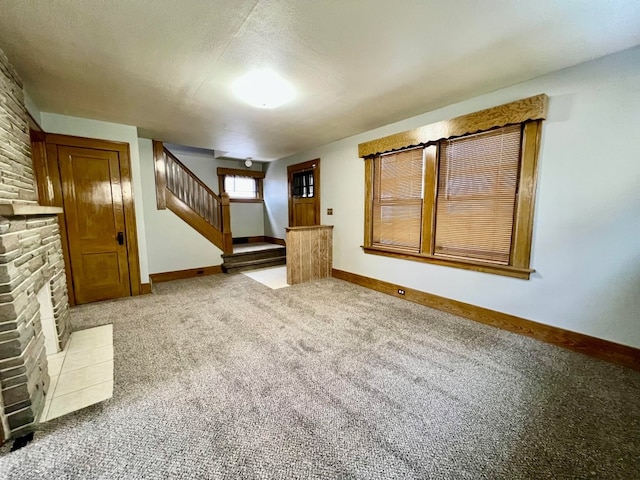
<point x="274" y="277"/>
<point x="82" y="374"/>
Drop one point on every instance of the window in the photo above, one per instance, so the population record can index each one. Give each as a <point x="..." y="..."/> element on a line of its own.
<point x="241" y="185"/>
<point x="459" y="199"/>
<point x="302" y="184"/>
<point x="397" y="204"/>
<point x="477" y="181"/>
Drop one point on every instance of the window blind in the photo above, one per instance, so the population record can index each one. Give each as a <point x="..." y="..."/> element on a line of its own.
<point x="397" y="206"/>
<point x="477" y="183"/>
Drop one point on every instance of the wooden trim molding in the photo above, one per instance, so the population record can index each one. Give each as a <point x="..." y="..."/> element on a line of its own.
<point x="236" y="172"/>
<point x="181" y="274"/>
<point x="304" y="167"/>
<point x="82" y="142"/>
<point x="199" y="224"/>
<point x="246" y="200"/>
<point x="276" y="240"/>
<point x="160" y="169"/>
<point x="474" y="265"/>
<point x="532" y="108"/>
<point x="245" y="240"/>
<point x="145" y="289"/>
<point x="578" y="342"/>
<point x="525" y="199"/>
<point x="51" y="189"/>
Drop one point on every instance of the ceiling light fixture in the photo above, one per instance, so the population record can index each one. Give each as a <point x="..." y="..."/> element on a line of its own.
<point x="263" y="89"/>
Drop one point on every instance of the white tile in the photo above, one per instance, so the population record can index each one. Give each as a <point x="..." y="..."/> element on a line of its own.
<point x="79" y="399"/>
<point x="84" y="358"/>
<point x="57" y="355"/>
<point x="89" y="332"/>
<point x="91" y="338"/>
<point x="83" y="378"/>
<point x="45" y="411"/>
<point x="273" y="278"/>
<point x="55" y="364"/>
<point x="53" y="381"/>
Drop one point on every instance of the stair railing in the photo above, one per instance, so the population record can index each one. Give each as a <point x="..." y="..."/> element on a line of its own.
<point x="180" y="190"/>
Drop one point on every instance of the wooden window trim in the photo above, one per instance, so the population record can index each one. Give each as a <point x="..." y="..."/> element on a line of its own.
<point x="475" y="265"/>
<point x="529" y="112"/>
<point x="520" y="111"/>
<point x="236" y="172"/>
<point x="240" y="173"/>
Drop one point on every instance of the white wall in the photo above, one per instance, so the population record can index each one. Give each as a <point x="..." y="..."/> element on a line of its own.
<point x="82" y="127"/>
<point x="586" y="243"/>
<point x="247" y="219"/>
<point x="172" y="243"/>
<point x="32" y="108"/>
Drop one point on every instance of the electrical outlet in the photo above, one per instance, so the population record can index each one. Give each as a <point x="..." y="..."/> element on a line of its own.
<point x="329" y="211"/>
<point x="400" y="291"/>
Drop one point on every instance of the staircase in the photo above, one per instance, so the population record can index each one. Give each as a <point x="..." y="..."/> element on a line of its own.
<point x="182" y="192"/>
<point x="254" y="255"/>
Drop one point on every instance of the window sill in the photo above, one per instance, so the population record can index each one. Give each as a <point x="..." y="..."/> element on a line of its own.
<point x="246" y="200"/>
<point x="478" y="266"/>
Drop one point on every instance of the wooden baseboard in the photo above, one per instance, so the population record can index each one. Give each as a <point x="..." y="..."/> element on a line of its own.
<point x="578" y="342"/>
<point x="180" y="274"/>
<point x="256" y="239"/>
<point x="145" y="288"/>
<point x="278" y="241"/>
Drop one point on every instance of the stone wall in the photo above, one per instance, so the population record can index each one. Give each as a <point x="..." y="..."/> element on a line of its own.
<point x="16" y="168"/>
<point x="30" y="256"/>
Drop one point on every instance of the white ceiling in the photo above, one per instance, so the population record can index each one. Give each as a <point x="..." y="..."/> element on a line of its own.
<point x="166" y="65"/>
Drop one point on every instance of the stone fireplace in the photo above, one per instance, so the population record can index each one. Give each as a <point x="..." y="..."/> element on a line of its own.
<point x="31" y="268"/>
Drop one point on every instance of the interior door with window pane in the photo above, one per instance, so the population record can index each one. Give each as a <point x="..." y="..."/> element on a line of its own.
<point x="304" y="194"/>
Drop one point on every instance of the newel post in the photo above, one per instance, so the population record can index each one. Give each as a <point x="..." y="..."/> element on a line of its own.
<point x="161" y="174"/>
<point x="227" y="238"/>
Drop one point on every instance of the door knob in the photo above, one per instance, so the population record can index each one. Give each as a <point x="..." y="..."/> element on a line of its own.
<point x="120" y="238"/>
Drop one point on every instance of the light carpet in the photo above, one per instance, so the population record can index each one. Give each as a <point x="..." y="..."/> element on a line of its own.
<point x="222" y="377"/>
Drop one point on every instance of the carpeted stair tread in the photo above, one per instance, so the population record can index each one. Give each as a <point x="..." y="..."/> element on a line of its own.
<point x="251" y="264"/>
<point x="255" y="253"/>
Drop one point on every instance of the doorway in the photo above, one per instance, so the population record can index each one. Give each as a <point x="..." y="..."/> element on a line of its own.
<point x="304" y="193"/>
<point x="91" y="180"/>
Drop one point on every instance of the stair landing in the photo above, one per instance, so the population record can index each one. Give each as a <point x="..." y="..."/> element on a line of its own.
<point x="254" y="247"/>
<point x="251" y="256"/>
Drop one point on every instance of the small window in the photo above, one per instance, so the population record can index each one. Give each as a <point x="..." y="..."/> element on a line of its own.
<point x="241" y="185"/>
<point x="302" y="186"/>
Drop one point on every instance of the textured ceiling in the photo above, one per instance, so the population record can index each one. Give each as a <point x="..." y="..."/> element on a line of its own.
<point x="166" y="66"/>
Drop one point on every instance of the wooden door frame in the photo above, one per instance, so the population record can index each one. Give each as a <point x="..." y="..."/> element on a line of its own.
<point x="303" y="167"/>
<point x="49" y="182"/>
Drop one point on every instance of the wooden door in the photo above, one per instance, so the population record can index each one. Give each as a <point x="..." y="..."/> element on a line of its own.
<point x="95" y="223"/>
<point x="304" y="194"/>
